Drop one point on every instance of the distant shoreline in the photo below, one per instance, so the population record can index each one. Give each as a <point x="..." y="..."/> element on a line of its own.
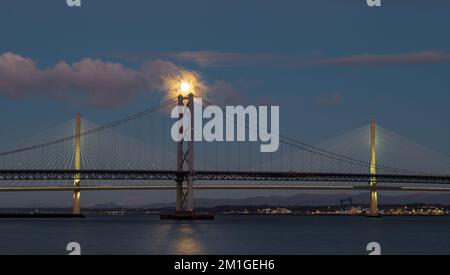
<point x="340" y="214"/>
<point x="409" y="210"/>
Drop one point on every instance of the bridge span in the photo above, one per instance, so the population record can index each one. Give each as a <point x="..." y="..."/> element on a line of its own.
<point x="224" y="187"/>
<point x="172" y="175"/>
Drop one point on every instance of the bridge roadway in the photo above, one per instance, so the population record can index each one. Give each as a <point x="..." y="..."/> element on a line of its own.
<point x="220" y="187"/>
<point x="285" y="180"/>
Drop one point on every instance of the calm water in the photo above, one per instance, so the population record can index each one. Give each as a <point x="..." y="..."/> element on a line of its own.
<point x="142" y="234"/>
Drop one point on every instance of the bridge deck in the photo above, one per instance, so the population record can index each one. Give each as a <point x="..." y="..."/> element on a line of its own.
<point x="284" y="180"/>
<point x="220" y="187"/>
<point x="51" y="175"/>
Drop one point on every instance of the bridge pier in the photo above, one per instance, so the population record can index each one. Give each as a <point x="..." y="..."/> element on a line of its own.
<point x="76" y="209"/>
<point x="373" y="207"/>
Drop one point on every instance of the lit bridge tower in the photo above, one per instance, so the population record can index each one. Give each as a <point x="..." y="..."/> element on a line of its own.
<point x="373" y="208"/>
<point x="76" y="210"/>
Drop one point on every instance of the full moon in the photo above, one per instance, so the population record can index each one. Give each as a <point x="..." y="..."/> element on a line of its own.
<point x="185" y="86"/>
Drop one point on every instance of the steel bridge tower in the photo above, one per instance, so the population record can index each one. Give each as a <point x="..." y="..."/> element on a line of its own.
<point x="185" y="159"/>
<point x="373" y="208"/>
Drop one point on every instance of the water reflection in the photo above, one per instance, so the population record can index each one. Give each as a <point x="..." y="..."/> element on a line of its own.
<point x="185" y="240"/>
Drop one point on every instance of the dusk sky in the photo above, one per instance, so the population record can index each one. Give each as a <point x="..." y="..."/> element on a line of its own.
<point x="331" y="66"/>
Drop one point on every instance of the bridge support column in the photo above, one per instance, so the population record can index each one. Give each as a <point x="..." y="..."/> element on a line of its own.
<point x="179" y="202"/>
<point x="180" y="161"/>
<point x="190" y="182"/>
<point x="373" y="207"/>
<point x="76" y="210"/>
<point x="185" y="196"/>
<point x="185" y="159"/>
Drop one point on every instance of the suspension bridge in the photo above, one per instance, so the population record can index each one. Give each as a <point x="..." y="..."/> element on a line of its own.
<point x="137" y="153"/>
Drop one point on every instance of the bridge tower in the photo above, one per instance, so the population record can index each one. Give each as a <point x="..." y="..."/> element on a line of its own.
<point x="76" y="210"/>
<point x="373" y="208"/>
<point x="185" y="196"/>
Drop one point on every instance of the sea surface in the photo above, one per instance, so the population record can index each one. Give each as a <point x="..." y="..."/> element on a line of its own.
<point x="146" y="234"/>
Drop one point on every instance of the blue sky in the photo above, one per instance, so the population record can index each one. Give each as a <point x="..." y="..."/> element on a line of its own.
<point x="408" y="98"/>
<point x="330" y="65"/>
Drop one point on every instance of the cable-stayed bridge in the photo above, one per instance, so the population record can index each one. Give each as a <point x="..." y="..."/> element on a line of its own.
<point x="137" y="153"/>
